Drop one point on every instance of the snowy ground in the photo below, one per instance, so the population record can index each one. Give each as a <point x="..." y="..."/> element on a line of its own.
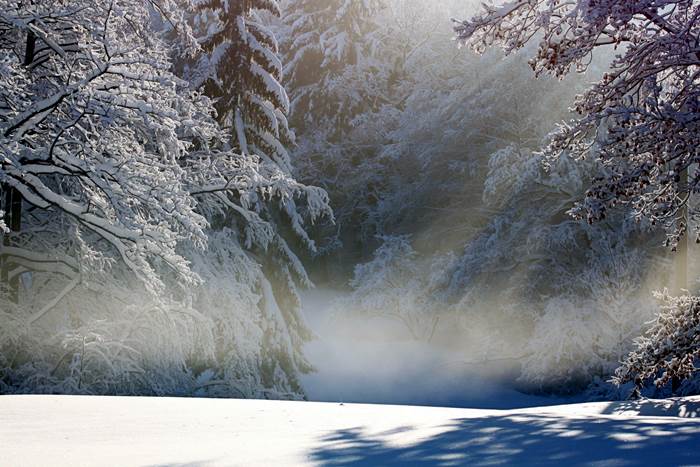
<point x="115" y="431"/>
<point x="357" y="362"/>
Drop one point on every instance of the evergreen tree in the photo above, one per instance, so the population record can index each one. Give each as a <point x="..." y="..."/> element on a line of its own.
<point x="335" y="76"/>
<point x="241" y="70"/>
<point x="331" y="49"/>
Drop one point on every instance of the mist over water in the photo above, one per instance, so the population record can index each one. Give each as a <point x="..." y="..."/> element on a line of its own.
<point x="374" y="360"/>
<point x="445" y="212"/>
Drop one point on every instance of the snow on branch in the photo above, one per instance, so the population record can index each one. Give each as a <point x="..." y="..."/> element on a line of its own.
<point x="641" y="119"/>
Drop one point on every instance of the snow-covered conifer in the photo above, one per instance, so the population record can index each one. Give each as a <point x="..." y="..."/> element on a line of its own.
<point x="241" y="70"/>
<point x="331" y="49"/>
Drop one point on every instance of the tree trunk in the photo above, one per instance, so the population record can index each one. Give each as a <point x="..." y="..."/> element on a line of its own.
<point x="12" y="203"/>
<point x="681" y="256"/>
<point x="13" y="221"/>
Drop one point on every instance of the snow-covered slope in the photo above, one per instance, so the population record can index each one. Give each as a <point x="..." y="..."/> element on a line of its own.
<point x="117" y="431"/>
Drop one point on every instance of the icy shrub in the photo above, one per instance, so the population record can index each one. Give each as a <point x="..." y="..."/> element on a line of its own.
<point x="668" y="352"/>
<point x="397" y="284"/>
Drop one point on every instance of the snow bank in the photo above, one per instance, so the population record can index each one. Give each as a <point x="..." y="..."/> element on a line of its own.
<point x="86" y="431"/>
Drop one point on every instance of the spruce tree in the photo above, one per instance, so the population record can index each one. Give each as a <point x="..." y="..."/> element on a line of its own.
<point x="331" y="49"/>
<point x="241" y="70"/>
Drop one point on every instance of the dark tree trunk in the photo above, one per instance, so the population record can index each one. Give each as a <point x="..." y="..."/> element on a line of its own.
<point x="12" y="203"/>
<point x="29" y="50"/>
<point x="681" y="256"/>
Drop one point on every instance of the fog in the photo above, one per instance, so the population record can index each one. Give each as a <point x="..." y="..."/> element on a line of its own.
<point x="450" y="271"/>
<point x="363" y="360"/>
<point x="463" y="280"/>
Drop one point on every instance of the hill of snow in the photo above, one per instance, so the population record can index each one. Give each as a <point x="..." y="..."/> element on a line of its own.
<point x="132" y="431"/>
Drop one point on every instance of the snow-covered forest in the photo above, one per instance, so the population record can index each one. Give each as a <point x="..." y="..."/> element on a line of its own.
<point x="195" y="193"/>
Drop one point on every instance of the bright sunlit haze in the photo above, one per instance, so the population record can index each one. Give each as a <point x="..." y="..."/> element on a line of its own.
<point x="489" y="209"/>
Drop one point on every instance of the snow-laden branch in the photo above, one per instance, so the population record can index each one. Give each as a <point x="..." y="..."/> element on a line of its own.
<point x="641" y="119"/>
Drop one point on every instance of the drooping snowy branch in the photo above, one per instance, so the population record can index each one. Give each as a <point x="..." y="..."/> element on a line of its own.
<point x="126" y="177"/>
<point x="669" y="350"/>
<point x="93" y="131"/>
<point x="640" y="119"/>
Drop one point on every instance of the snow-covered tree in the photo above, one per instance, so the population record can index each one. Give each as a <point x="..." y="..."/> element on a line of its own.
<point x="639" y="120"/>
<point x="399" y="285"/>
<point x="93" y="129"/>
<point x="571" y="294"/>
<point x="669" y="350"/>
<point x="331" y="49"/>
<point x="515" y="279"/>
<point x="334" y="75"/>
<point x="241" y="70"/>
<point x="429" y="123"/>
<point x="124" y="174"/>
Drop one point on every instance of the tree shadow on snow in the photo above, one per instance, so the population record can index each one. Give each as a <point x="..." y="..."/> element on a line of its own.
<point x="524" y="439"/>
<point x="683" y="408"/>
<point x="183" y="464"/>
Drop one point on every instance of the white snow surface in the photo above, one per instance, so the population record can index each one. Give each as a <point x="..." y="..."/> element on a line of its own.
<point x="136" y="431"/>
